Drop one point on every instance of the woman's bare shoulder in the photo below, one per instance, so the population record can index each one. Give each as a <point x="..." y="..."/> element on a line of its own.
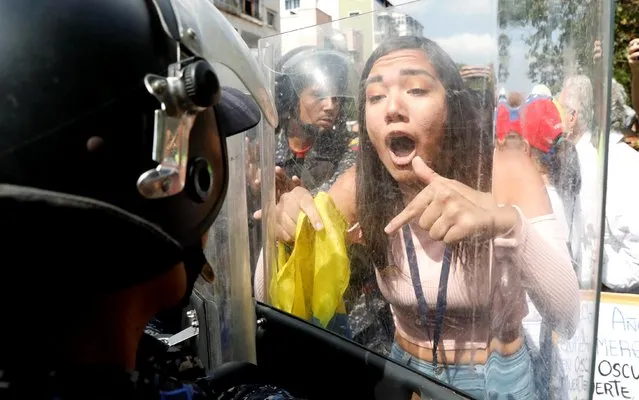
<point x="343" y="194"/>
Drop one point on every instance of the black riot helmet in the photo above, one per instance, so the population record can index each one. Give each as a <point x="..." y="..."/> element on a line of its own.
<point x="329" y="71"/>
<point x="113" y="121"/>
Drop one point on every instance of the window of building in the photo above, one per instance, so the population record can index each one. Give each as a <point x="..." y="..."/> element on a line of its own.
<point x="270" y="18"/>
<point x="291" y="4"/>
<point x="252" y="8"/>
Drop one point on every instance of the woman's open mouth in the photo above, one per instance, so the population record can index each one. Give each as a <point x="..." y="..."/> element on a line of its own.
<point x="401" y="149"/>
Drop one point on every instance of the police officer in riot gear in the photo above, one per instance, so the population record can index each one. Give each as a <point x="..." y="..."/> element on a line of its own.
<point x="113" y="121"/>
<point x="314" y="90"/>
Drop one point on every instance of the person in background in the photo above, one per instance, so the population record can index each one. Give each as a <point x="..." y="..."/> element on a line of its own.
<point x="515" y="99"/>
<point x="539" y="133"/>
<point x="537" y="130"/>
<point x="632" y="123"/>
<point x="313" y="87"/>
<point x="541" y="90"/>
<point x="621" y="223"/>
<point x="621" y="233"/>
<point x="577" y="103"/>
<point x="633" y="61"/>
<point x="631" y="130"/>
<point x="314" y="90"/>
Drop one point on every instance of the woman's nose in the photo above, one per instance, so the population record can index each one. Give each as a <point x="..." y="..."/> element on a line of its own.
<point x="395" y="108"/>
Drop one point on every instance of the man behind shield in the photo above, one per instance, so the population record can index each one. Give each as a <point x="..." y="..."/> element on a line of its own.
<point x="113" y="166"/>
<point x="313" y="90"/>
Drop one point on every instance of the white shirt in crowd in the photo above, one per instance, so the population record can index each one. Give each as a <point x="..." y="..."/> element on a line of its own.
<point x="621" y="239"/>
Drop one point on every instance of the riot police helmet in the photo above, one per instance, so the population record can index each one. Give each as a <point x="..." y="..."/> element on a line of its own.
<point x="329" y="72"/>
<point x="113" y="126"/>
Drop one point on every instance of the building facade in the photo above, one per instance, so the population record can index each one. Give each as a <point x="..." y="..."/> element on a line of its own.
<point x="361" y="35"/>
<point x="298" y="14"/>
<point x="346" y="35"/>
<point x="357" y="36"/>
<point x="393" y="23"/>
<point x="253" y="19"/>
<point x="366" y="23"/>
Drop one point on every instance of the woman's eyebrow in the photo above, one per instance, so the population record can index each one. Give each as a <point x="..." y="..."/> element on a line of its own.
<point x="373" y="79"/>
<point x="415" y="71"/>
<point x="402" y="72"/>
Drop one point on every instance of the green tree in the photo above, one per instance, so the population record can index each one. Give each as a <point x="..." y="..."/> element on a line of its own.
<point x="561" y="35"/>
<point x="565" y="31"/>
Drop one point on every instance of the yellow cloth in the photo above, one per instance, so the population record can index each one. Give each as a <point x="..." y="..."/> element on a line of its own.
<point x="310" y="281"/>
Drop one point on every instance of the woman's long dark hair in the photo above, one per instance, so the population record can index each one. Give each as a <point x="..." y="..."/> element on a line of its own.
<point x="466" y="156"/>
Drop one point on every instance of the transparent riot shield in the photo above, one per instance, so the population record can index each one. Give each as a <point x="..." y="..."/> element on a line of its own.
<point x="222" y="308"/>
<point x="223" y="298"/>
<point x="462" y="238"/>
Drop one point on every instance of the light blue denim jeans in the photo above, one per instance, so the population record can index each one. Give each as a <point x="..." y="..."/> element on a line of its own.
<point x="501" y="378"/>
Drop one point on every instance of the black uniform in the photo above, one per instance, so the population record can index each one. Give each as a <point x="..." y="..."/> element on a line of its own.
<point x="162" y="373"/>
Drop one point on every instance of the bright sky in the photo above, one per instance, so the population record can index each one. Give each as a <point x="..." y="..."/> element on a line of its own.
<point x="466" y="29"/>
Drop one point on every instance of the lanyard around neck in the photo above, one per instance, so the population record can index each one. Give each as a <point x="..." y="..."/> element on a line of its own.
<point x="422" y="305"/>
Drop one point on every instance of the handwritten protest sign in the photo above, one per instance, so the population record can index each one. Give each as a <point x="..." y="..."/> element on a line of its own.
<point x="617" y="365"/>
<point x="616" y="371"/>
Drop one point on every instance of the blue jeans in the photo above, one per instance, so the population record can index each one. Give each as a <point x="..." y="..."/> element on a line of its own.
<point x="501" y="378"/>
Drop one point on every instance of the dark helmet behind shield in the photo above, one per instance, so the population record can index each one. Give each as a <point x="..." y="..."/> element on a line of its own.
<point x="113" y="121"/>
<point x="331" y="71"/>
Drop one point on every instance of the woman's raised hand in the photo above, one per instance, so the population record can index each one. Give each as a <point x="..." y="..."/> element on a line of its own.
<point x="451" y="211"/>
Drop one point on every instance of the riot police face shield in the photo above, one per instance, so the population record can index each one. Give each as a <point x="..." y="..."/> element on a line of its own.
<point x="195" y="24"/>
<point x="219" y="322"/>
<point x="467" y="234"/>
<point x="222" y="296"/>
<point x="327" y="72"/>
<point x="201" y="31"/>
<point x="313" y="86"/>
<point x="218" y="325"/>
